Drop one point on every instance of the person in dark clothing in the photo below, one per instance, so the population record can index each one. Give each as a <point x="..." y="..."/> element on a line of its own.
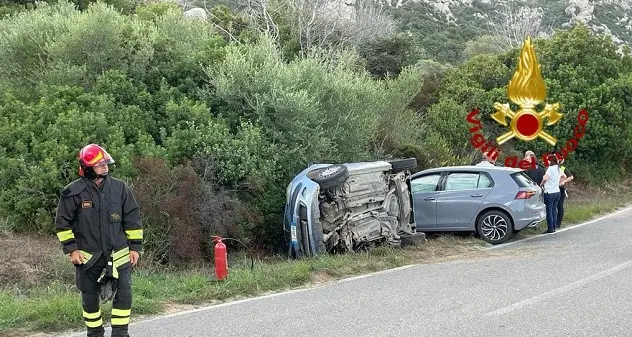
<point x="99" y="226"/>
<point x="535" y="173"/>
<point x="563" y="193"/>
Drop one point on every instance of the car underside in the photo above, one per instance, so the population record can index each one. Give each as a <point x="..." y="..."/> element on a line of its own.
<point x="353" y="206"/>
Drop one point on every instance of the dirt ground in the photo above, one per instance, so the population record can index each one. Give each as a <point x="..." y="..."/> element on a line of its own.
<point x="30" y="259"/>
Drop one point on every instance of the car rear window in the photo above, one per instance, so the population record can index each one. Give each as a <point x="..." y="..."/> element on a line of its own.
<point x="522" y="179"/>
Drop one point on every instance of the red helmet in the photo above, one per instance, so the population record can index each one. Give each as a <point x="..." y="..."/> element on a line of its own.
<point x="92" y="155"/>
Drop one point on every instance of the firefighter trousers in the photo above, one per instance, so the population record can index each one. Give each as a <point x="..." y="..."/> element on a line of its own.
<point x="121" y="304"/>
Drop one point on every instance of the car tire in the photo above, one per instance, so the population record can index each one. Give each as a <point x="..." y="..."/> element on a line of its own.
<point x="494" y="227"/>
<point x="403" y="164"/>
<point x="330" y="176"/>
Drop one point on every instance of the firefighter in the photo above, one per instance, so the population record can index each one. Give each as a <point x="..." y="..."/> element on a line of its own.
<point x="99" y="226"/>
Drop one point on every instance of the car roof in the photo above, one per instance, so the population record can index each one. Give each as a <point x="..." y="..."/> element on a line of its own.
<point x="467" y="168"/>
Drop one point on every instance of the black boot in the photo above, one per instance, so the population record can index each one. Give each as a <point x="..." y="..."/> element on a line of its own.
<point x="96" y="332"/>
<point x="119" y="331"/>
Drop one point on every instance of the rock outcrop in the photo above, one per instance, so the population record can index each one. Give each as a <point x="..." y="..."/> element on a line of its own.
<point x="612" y="17"/>
<point x="196" y="13"/>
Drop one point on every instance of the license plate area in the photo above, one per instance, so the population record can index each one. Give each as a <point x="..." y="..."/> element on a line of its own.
<point x="293" y="233"/>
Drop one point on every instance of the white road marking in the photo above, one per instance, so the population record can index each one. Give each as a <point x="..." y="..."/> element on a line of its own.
<point x="557" y="291"/>
<point x="627" y="209"/>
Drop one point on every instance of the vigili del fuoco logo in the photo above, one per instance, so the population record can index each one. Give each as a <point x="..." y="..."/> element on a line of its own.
<point x="527" y="90"/>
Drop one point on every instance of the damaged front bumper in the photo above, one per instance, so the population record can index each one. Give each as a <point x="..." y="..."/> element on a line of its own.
<point x="301" y="214"/>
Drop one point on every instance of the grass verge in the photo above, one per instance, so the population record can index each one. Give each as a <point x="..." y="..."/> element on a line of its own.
<point x="46" y="301"/>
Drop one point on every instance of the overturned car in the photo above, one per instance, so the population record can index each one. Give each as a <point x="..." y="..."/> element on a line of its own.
<point x="345" y="207"/>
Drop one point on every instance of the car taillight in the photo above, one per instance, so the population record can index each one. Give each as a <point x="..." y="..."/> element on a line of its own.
<point x="525" y="194"/>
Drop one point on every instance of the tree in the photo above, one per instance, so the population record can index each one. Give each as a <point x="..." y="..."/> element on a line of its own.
<point x="323" y="24"/>
<point x="485" y="44"/>
<point x="515" y="22"/>
<point x="386" y="57"/>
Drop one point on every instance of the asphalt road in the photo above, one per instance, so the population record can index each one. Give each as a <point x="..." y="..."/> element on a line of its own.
<point x="575" y="282"/>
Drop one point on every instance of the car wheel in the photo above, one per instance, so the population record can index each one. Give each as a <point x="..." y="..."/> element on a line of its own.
<point x="494" y="227"/>
<point x="330" y="176"/>
<point x="403" y="164"/>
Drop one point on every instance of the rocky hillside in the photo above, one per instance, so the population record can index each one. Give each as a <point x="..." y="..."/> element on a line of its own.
<point x="608" y="16"/>
<point x="445" y="26"/>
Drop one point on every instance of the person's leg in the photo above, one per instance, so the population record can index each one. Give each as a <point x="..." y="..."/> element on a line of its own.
<point x="122" y="303"/>
<point x="555" y="197"/>
<point x="550" y="221"/>
<point x="92" y="313"/>
<point x="560" y="209"/>
<point x="87" y="284"/>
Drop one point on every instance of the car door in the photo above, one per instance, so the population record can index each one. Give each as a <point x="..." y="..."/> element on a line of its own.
<point x="424" y="192"/>
<point x="460" y="198"/>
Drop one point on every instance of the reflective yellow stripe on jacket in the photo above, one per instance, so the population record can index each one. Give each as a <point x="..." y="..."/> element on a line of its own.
<point x="134" y="234"/>
<point x="86" y="255"/>
<point x="120" y="257"/>
<point x="66" y="235"/>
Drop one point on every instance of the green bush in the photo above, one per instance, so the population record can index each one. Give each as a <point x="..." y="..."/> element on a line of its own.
<point x="153" y="11"/>
<point x="41" y="141"/>
<point x="183" y="209"/>
<point x="165" y="89"/>
<point x="314" y="108"/>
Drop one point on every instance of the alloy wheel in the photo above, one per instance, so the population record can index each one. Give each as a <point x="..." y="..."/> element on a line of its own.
<point x="494" y="227"/>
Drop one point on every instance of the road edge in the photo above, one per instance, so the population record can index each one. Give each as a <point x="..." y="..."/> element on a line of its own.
<point x="609" y="215"/>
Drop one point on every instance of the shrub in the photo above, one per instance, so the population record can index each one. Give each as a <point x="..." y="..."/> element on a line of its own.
<point x="181" y="211"/>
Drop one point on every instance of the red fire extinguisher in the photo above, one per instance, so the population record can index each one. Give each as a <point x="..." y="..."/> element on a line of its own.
<point x="221" y="258"/>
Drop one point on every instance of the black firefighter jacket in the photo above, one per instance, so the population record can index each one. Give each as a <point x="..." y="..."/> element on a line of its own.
<point x="98" y="220"/>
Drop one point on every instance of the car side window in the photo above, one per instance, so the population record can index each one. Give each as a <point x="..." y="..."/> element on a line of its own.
<point x="461" y="181"/>
<point x="425" y="184"/>
<point x="484" y="181"/>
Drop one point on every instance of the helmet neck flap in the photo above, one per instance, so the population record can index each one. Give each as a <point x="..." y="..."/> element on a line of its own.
<point x="88" y="173"/>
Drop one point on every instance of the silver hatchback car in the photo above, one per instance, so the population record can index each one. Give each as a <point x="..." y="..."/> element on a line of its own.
<point x="494" y="202"/>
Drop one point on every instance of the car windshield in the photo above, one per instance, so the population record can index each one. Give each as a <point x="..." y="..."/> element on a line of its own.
<point x="522" y="179"/>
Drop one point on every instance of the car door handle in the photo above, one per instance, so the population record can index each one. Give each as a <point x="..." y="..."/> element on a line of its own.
<point x="476" y="195"/>
<point x="429" y="198"/>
